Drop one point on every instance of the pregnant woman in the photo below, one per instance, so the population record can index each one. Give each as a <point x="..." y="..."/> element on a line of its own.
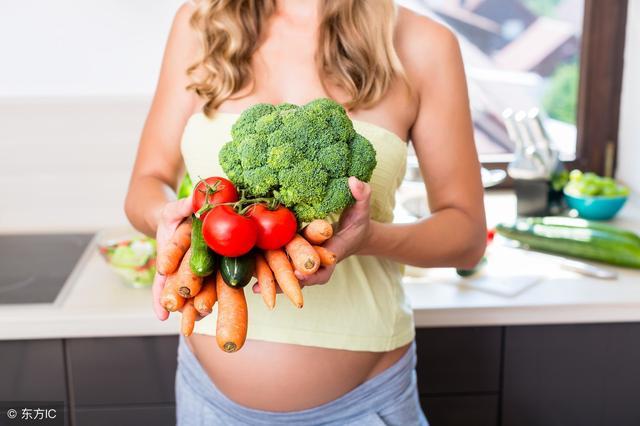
<point x="348" y="357"/>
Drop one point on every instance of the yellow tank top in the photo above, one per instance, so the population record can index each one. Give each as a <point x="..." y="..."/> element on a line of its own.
<point x="363" y="307"/>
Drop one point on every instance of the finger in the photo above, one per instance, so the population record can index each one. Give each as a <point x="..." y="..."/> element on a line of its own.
<point x="156" y="290"/>
<point x="320" y="277"/>
<point x="178" y="210"/>
<point x="256" y="288"/>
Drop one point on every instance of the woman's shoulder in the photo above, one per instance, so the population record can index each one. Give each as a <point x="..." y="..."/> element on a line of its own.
<point x="423" y="44"/>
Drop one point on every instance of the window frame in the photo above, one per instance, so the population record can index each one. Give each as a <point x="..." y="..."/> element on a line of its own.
<point x="600" y="86"/>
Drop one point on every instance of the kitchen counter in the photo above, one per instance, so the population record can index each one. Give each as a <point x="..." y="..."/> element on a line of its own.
<point x="94" y="302"/>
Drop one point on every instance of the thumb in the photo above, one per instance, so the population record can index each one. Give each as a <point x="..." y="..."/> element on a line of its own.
<point x="178" y="210"/>
<point x="361" y="191"/>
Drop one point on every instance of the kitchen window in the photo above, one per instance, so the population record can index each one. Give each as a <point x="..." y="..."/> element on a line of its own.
<point x="564" y="56"/>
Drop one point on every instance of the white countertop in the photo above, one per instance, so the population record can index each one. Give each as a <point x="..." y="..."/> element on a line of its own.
<point x="94" y="303"/>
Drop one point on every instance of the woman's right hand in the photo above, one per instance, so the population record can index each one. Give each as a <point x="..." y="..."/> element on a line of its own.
<point x="169" y="217"/>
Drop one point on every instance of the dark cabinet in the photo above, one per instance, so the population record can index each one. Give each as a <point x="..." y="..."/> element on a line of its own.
<point x="127" y="370"/>
<point x="32" y="370"/>
<point x="586" y="375"/>
<point x="126" y="416"/>
<point x="459" y="375"/>
<point x="458" y="360"/>
<point x="461" y="410"/>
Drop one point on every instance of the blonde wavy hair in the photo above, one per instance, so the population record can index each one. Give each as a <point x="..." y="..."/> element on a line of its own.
<point x="355" y="49"/>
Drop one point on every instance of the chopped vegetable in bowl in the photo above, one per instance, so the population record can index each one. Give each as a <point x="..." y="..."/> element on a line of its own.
<point x="134" y="260"/>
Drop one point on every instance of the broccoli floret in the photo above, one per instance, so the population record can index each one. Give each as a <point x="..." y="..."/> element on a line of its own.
<point x="261" y="180"/>
<point x="337" y="197"/>
<point x="306" y="212"/>
<point x="301" y="156"/>
<point x="268" y="124"/>
<point x="246" y="123"/>
<point x="229" y="159"/>
<point x="303" y="183"/>
<point x="333" y="157"/>
<point x="283" y="157"/>
<point x="253" y="151"/>
<point x="363" y="158"/>
<point x="286" y="107"/>
<point x="334" y="116"/>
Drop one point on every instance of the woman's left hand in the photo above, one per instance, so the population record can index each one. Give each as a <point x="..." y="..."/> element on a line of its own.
<point x="352" y="235"/>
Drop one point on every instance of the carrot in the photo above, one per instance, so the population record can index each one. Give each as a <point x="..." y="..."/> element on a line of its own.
<point x="266" y="281"/>
<point x="169" y="255"/>
<point x="327" y="257"/>
<point x="231" y="329"/>
<point x="303" y="256"/>
<point x="207" y="296"/>
<point x="318" y="231"/>
<point x="189" y="284"/>
<point x="282" y="269"/>
<point x="170" y="299"/>
<point x="189" y="315"/>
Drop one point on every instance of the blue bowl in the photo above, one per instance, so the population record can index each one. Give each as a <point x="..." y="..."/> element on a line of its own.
<point x="595" y="208"/>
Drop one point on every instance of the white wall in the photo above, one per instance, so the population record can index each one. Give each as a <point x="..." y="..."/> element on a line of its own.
<point x="82" y="47"/>
<point x="629" y="137"/>
<point x="76" y="77"/>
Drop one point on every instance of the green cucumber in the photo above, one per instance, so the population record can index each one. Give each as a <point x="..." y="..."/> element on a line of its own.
<point x="237" y="271"/>
<point x="203" y="259"/>
<point x="585" y="243"/>
<point x="469" y="272"/>
<point x="571" y="222"/>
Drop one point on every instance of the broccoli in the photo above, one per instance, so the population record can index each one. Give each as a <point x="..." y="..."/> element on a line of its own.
<point x="302" y="156"/>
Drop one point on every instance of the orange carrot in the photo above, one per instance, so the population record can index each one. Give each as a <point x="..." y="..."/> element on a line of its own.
<point x="266" y="281"/>
<point x="231" y="329"/>
<point x="170" y="299"/>
<point x="318" y="231"/>
<point x="303" y="256"/>
<point x="189" y="315"/>
<point x="327" y="257"/>
<point x="189" y="284"/>
<point x="207" y="296"/>
<point x="282" y="269"/>
<point x="170" y="255"/>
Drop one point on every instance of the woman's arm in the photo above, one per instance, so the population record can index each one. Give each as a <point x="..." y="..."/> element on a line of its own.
<point x="150" y="203"/>
<point x="159" y="162"/>
<point x="455" y="234"/>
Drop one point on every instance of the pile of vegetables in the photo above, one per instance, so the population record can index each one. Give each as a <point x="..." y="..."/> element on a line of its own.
<point x="288" y="169"/>
<point x="576" y="237"/>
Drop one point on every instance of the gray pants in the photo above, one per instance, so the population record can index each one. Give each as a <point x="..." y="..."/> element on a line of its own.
<point x="390" y="399"/>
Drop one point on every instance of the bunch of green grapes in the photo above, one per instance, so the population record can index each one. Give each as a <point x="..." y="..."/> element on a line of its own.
<point x="592" y="185"/>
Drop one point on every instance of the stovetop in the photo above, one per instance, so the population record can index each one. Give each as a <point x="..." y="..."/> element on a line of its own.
<point x="34" y="268"/>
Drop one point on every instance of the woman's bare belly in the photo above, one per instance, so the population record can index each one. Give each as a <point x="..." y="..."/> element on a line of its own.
<point x="283" y="377"/>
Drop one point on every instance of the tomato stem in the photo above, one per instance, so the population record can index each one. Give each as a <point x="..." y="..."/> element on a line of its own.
<point x="242" y="206"/>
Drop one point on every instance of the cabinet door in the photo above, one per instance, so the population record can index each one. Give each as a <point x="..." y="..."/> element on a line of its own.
<point x="476" y="410"/>
<point x="458" y="360"/>
<point x="587" y="375"/>
<point x="32" y="370"/>
<point x="126" y="416"/>
<point x="128" y="370"/>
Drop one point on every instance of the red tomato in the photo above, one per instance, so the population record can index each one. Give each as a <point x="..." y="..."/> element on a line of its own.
<point x="225" y="192"/>
<point x="228" y="233"/>
<point x="275" y="227"/>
